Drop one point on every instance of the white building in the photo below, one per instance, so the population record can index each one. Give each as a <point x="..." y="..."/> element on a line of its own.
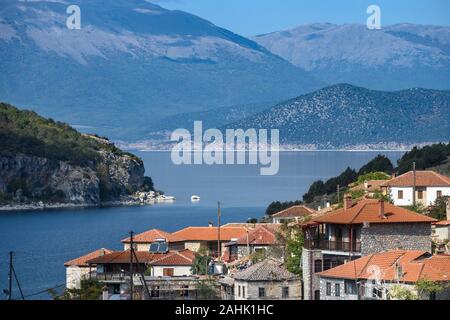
<point x="78" y="269"/>
<point x="428" y="186"/>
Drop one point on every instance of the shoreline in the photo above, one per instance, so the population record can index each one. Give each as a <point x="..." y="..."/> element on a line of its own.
<point x="39" y="207"/>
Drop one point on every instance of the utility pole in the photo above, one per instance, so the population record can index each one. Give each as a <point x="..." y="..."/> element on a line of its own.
<point x="219" y="249"/>
<point x="131" y="264"/>
<point x="338" y="193"/>
<point x="414" y="183"/>
<point x="10" y="275"/>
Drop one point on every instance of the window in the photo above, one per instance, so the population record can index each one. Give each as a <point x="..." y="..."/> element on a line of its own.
<point x="420" y="194"/>
<point x="328" y="288"/>
<point x="261" y="292"/>
<point x="377" y="293"/>
<point x="317" y="295"/>
<point x="337" y="290"/>
<point x="439" y="194"/>
<point x="285" y="292"/>
<point x="317" y="266"/>
<point x="184" y="291"/>
<point x="326" y="264"/>
<point x="239" y="291"/>
<point x="349" y="287"/>
<point x="400" y="194"/>
<point x="168" y="272"/>
<point x="243" y="292"/>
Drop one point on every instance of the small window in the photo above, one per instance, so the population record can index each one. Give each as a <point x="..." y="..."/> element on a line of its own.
<point x="168" y="272"/>
<point x="243" y="292"/>
<point x="400" y="194"/>
<point x="317" y="266"/>
<point x="337" y="290"/>
<point x="377" y="293"/>
<point x="439" y="194"/>
<point x="261" y="292"/>
<point x="350" y="287"/>
<point x="285" y="292"/>
<point x="239" y="291"/>
<point x="326" y="264"/>
<point x="420" y="194"/>
<point x="328" y="288"/>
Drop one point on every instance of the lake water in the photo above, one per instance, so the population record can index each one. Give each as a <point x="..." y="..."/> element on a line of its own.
<point x="44" y="240"/>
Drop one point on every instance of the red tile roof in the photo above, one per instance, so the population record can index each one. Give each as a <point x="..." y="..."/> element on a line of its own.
<point x="415" y="265"/>
<point x="153" y="235"/>
<point x="181" y="258"/>
<point x="443" y="223"/>
<point x="368" y="210"/>
<point x="210" y="233"/>
<point x="121" y="257"/>
<point x="261" y="235"/>
<point x="82" y="261"/>
<point x="295" y="211"/>
<point x="423" y="179"/>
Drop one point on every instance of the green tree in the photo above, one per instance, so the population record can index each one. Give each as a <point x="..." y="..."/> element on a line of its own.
<point x="200" y="263"/>
<point x="399" y="292"/>
<point x="90" y="289"/>
<point x="439" y="210"/>
<point x="379" y="164"/>
<point x="425" y="288"/>
<point x="293" y="239"/>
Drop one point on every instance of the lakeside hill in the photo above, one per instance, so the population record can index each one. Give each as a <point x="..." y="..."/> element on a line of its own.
<point x="396" y="57"/>
<point x="48" y="161"/>
<point x="343" y="116"/>
<point x="131" y="64"/>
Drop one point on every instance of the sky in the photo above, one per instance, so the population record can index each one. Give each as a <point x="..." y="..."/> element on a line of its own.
<point x="253" y="17"/>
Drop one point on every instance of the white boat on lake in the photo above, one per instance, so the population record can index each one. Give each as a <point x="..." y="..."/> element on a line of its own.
<point x="195" y="198"/>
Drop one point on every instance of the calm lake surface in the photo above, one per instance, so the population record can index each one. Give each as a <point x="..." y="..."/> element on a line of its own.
<point x="44" y="240"/>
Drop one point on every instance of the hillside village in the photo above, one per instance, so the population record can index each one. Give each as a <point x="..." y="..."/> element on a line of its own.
<point x="377" y="246"/>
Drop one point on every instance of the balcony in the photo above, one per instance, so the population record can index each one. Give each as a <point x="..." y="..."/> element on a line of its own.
<point x="326" y="245"/>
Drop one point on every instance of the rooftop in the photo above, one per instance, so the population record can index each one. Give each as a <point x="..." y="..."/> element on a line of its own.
<point x="403" y="266"/>
<point x="369" y="210"/>
<point x="121" y="257"/>
<point x="211" y="233"/>
<point x="261" y="235"/>
<point x="294" y="212"/>
<point x="175" y="258"/>
<point x="82" y="261"/>
<point x="426" y="178"/>
<point x="153" y="235"/>
<point x="267" y="270"/>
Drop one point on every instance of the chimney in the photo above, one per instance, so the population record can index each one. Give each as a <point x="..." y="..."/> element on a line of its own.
<point x="210" y="224"/>
<point x="381" y="209"/>
<point x="348" y="203"/>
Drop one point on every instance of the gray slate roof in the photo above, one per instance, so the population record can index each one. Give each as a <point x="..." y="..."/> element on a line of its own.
<point x="267" y="270"/>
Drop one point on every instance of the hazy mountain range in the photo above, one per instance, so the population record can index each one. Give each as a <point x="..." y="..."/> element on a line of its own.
<point x="396" y="57"/>
<point x="344" y="115"/>
<point x="131" y="64"/>
<point x="135" y="67"/>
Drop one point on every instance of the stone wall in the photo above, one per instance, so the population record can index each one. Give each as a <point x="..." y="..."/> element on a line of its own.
<point x="310" y="280"/>
<point x="385" y="237"/>
<point x="273" y="290"/>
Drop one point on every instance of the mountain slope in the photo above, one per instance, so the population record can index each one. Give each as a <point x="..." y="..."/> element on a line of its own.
<point x="344" y="115"/>
<point x="131" y="64"/>
<point x="396" y="57"/>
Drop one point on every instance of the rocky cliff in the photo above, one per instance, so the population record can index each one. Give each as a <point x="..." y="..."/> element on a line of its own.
<point x="42" y="161"/>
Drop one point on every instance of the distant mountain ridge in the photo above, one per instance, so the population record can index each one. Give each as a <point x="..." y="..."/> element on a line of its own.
<point x="132" y="64"/>
<point x="344" y="115"/>
<point x="396" y="57"/>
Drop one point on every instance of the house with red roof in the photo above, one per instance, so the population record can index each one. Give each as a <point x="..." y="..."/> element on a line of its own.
<point x="423" y="186"/>
<point x="379" y="276"/>
<point x="143" y="241"/>
<point x="295" y="213"/>
<point x="358" y="229"/>
<point x="260" y="239"/>
<point x="79" y="269"/>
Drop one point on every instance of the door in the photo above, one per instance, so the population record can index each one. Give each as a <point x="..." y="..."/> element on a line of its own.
<point x="168" y="272"/>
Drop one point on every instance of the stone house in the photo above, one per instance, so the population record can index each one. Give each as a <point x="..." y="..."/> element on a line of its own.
<point x="427" y="186"/>
<point x="266" y="280"/>
<point x="368" y="227"/>
<point x="295" y="213"/>
<point x="259" y="239"/>
<point x="197" y="239"/>
<point x="78" y="269"/>
<point x="377" y="276"/>
<point x="143" y="241"/>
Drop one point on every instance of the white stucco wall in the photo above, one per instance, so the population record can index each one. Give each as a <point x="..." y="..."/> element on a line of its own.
<point x="407" y="196"/>
<point x="442" y="232"/>
<point x="432" y="192"/>
<point x="178" y="271"/>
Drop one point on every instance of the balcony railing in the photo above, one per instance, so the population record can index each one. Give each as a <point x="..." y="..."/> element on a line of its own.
<point x="327" y="245"/>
